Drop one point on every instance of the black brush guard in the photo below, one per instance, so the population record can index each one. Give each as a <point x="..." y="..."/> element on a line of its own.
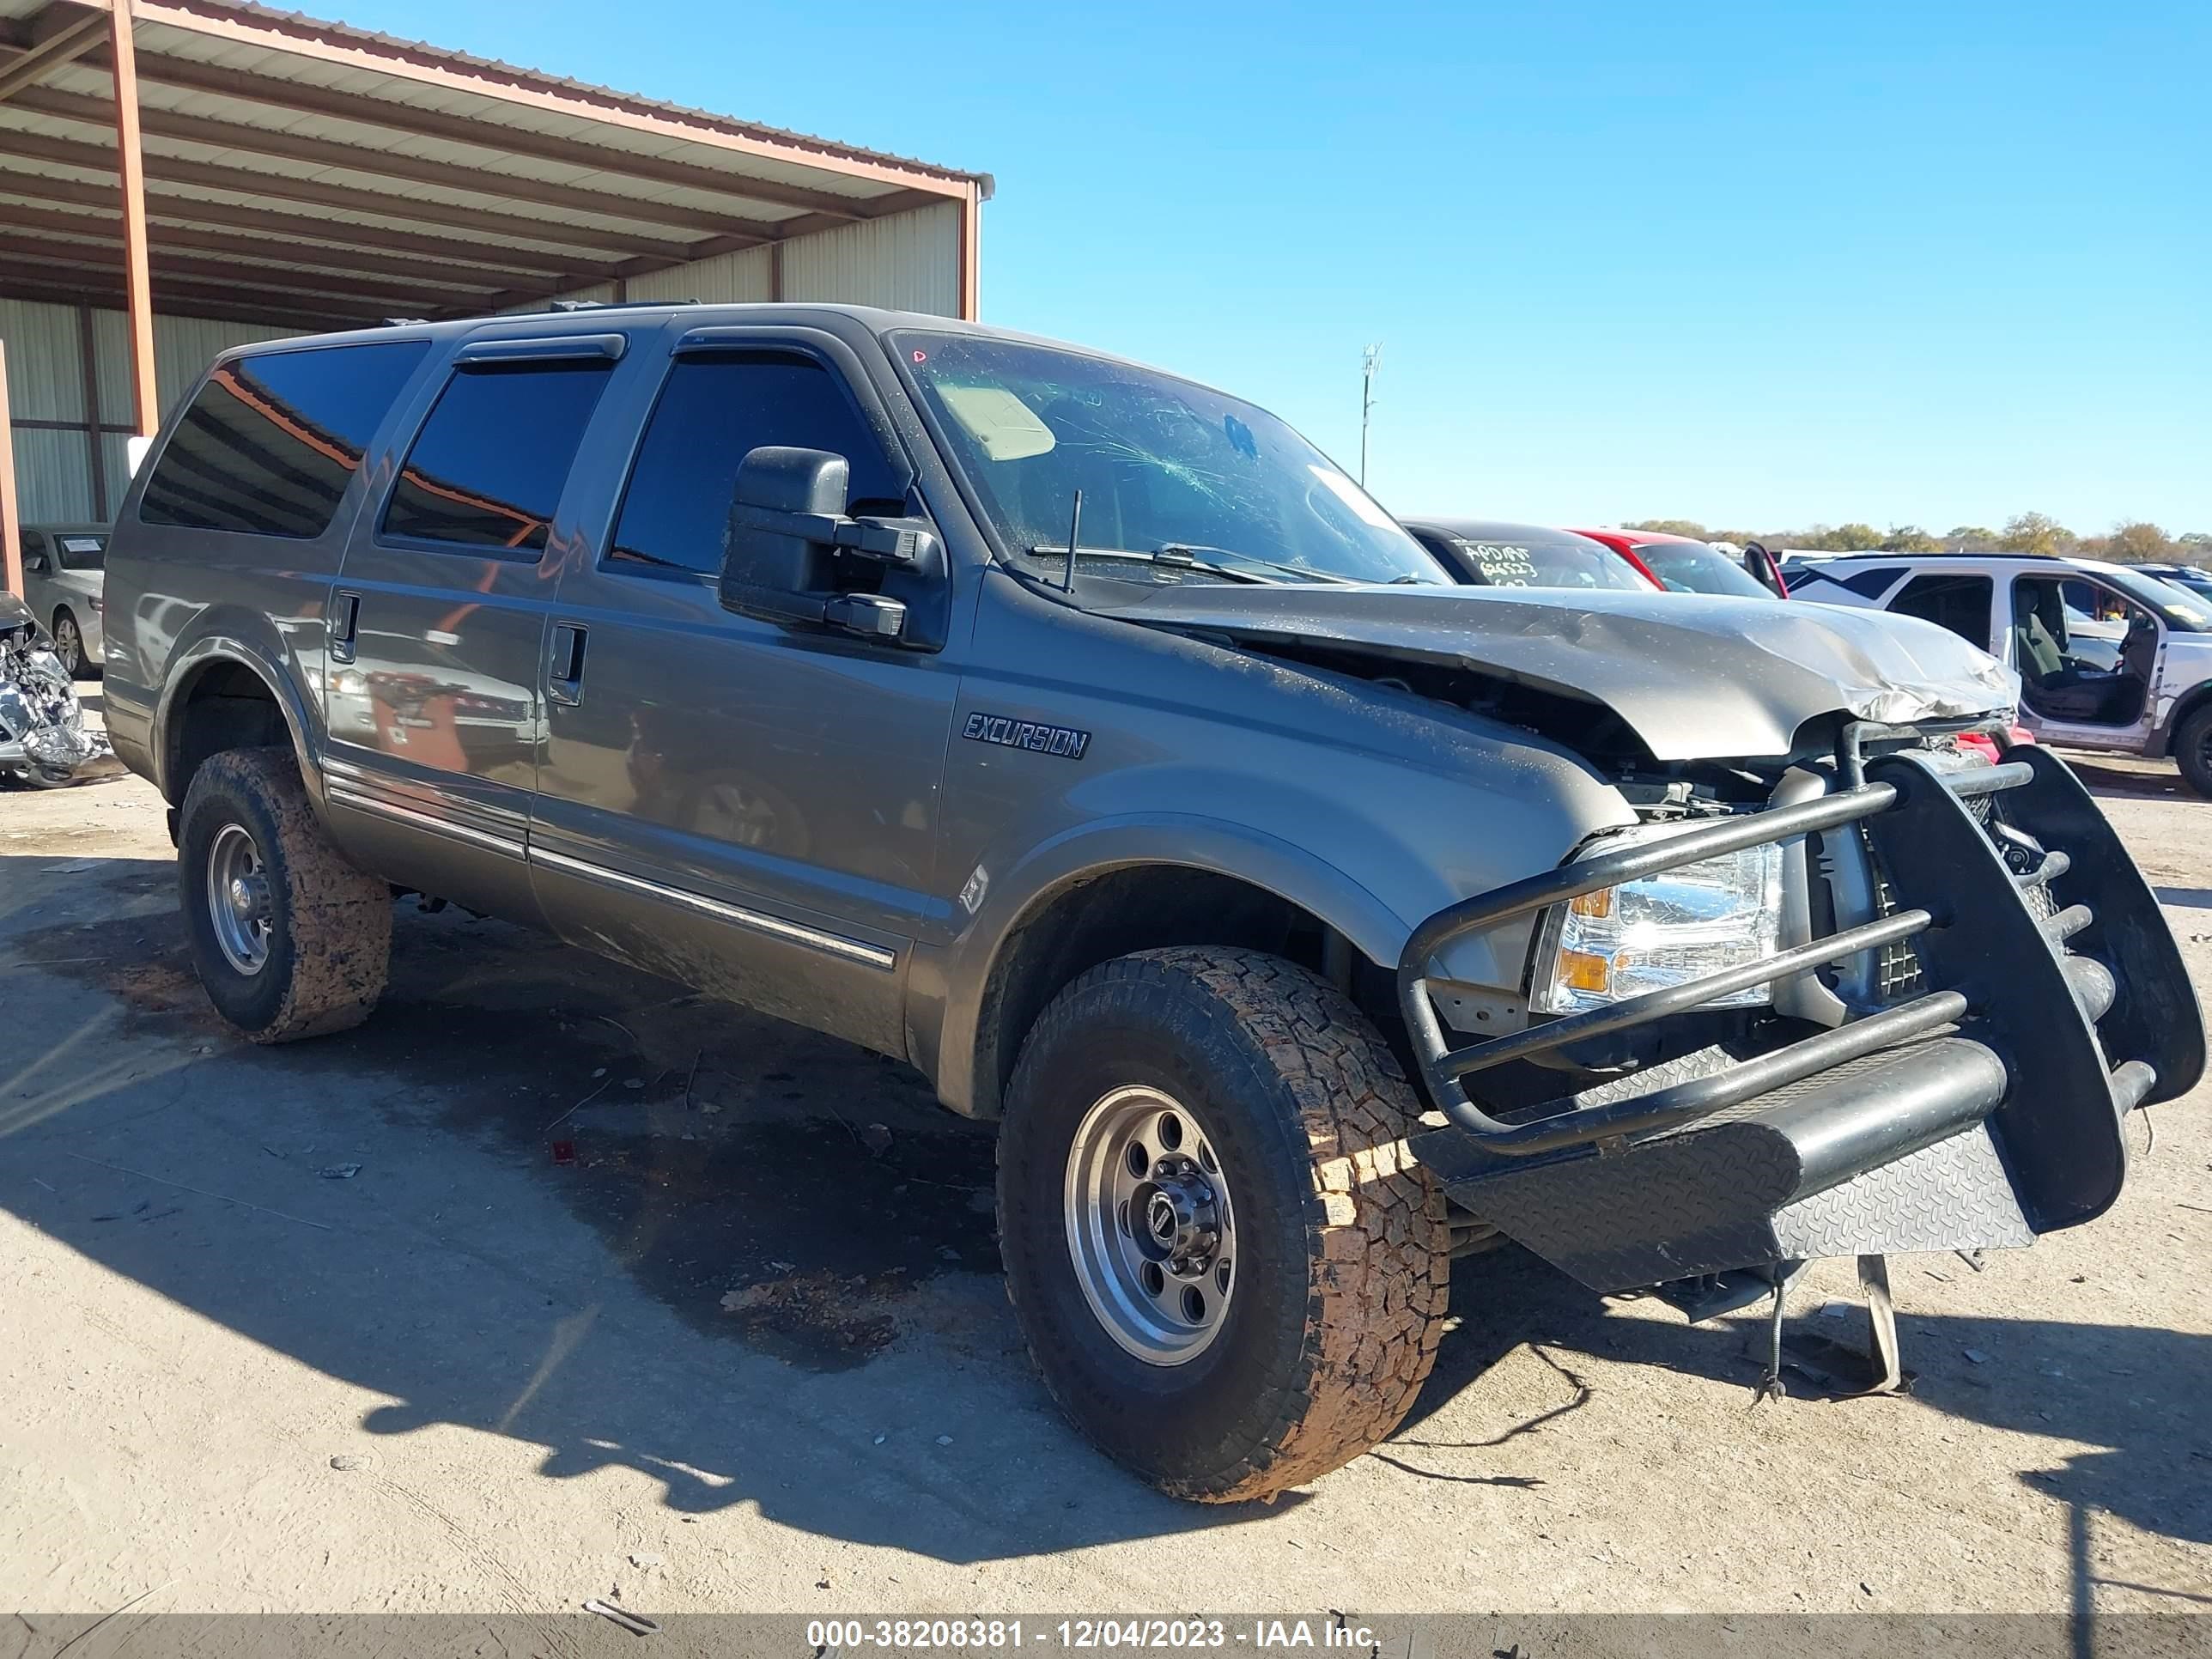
<point x="1985" y="1110"/>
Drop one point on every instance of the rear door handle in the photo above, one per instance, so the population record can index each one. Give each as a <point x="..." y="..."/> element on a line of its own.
<point x="344" y="625"/>
<point x="564" y="672"/>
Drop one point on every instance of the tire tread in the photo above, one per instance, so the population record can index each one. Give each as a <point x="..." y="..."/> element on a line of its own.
<point x="1380" y="1267"/>
<point x="339" y="917"/>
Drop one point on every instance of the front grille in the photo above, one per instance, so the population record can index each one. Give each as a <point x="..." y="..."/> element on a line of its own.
<point x="1898" y="972"/>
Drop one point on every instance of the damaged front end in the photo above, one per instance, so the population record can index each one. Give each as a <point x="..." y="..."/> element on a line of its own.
<point x="42" y="737"/>
<point x="1971" y="987"/>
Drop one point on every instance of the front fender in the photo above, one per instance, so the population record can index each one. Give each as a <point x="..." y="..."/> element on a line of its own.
<point x="1395" y="878"/>
<point x="946" y="989"/>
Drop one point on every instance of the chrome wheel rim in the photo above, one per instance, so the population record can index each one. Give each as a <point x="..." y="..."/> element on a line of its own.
<point x="68" y="645"/>
<point x="238" y="899"/>
<point x="1150" y="1228"/>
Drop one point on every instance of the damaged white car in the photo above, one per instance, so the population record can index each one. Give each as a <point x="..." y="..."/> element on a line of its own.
<point x="42" y="737"/>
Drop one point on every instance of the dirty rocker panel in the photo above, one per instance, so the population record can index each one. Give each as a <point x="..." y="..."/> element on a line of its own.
<point x="1981" y="1111"/>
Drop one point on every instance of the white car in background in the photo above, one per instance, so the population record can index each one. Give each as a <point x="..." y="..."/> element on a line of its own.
<point x="64" y="573"/>
<point x="2108" y="658"/>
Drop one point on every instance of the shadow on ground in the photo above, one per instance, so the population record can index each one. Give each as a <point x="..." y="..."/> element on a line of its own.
<point x="783" y="1288"/>
<point x="2126" y="1388"/>
<point x="2148" y="779"/>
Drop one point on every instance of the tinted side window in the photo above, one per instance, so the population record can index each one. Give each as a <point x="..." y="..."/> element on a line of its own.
<point x="1960" y="604"/>
<point x="270" y="443"/>
<point x="713" y="411"/>
<point x="488" y="465"/>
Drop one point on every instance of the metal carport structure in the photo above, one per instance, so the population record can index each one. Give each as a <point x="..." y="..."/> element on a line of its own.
<point x="177" y="176"/>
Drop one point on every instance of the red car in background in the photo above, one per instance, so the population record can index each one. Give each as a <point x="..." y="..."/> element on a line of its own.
<point x="1684" y="565"/>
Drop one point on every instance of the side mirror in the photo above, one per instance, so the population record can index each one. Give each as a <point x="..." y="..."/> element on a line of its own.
<point x="782" y="500"/>
<point x="36" y="565"/>
<point x="788" y="534"/>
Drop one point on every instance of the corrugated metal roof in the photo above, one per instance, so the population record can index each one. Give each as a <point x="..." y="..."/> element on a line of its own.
<point x="300" y="25"/>
<point x="280" y="144"/>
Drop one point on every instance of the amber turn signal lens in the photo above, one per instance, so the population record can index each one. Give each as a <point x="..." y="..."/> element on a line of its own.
<point x="1581" y="971"/>
<point x="1598" y="904"/>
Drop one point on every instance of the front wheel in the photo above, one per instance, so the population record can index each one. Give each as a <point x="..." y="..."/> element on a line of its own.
<point x="2192" y="751"/>
<point x="1230" y="1272"/>
<point x="69" y="644"/>
<point x="289" y="939"/>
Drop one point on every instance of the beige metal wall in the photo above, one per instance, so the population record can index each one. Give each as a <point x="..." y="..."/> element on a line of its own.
<point x="909" y="262"/>
<point x="47" y="382"/>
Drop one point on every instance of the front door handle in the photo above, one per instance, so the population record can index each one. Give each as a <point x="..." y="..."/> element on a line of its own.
<point x="564" y="672"/>
<point x="344" y="625"/>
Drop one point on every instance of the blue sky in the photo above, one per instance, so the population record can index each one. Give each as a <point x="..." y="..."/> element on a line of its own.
<point x="1759" y="265"/>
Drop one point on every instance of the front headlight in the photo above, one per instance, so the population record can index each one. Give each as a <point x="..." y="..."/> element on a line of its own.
<point x="1646" y="935"/>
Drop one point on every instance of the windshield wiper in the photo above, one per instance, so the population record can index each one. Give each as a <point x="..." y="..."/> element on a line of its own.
<point x="1179" y="558"/>
<point x="1196" y="553"/>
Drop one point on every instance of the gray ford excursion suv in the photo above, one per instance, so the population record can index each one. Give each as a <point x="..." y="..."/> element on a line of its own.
<point x="1086" y="738"/>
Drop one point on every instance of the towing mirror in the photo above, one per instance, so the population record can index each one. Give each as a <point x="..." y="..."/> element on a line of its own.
<point x="782" y="500"/>
<point x="788" y="535"/>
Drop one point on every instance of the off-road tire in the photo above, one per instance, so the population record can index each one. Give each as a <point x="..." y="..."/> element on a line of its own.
<point x="329" y="945"/>
<point x="2192" y="752"/>
<point x="1343" y="1267"/>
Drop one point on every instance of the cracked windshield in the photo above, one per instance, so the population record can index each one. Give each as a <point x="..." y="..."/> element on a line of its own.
<point x="1171" y="474"/>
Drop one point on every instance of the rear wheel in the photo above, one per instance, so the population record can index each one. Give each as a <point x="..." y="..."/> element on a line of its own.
<point x="1230" y="1272"/>
<point x="289" y="939"/>
<point x="2192" y="751"/>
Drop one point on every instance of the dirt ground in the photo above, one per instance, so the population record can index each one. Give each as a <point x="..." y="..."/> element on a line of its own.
<point x="554" y="1279"/>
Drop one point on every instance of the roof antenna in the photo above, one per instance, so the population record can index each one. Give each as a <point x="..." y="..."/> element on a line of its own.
<point x="1074" y="534"/>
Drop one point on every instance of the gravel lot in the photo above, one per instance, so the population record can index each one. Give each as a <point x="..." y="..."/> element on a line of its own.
<point x="552" y="1271"/>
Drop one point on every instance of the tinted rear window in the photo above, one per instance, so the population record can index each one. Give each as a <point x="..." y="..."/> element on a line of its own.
<point x="488" y="467"/>
<point x="270" y="443"/>
<point x="1960" y="603"/>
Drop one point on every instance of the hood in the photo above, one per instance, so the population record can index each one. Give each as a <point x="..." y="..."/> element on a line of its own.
<point x="1696" y="677"/>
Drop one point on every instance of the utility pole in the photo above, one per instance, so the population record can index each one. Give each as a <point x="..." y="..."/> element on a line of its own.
<point x="1370" y="361"/>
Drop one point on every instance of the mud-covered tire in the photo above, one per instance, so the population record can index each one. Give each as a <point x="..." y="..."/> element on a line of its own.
<point x="329" y="925"/>
<point x="1342" y="1265"/>
<point x="2192" y="752"/>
